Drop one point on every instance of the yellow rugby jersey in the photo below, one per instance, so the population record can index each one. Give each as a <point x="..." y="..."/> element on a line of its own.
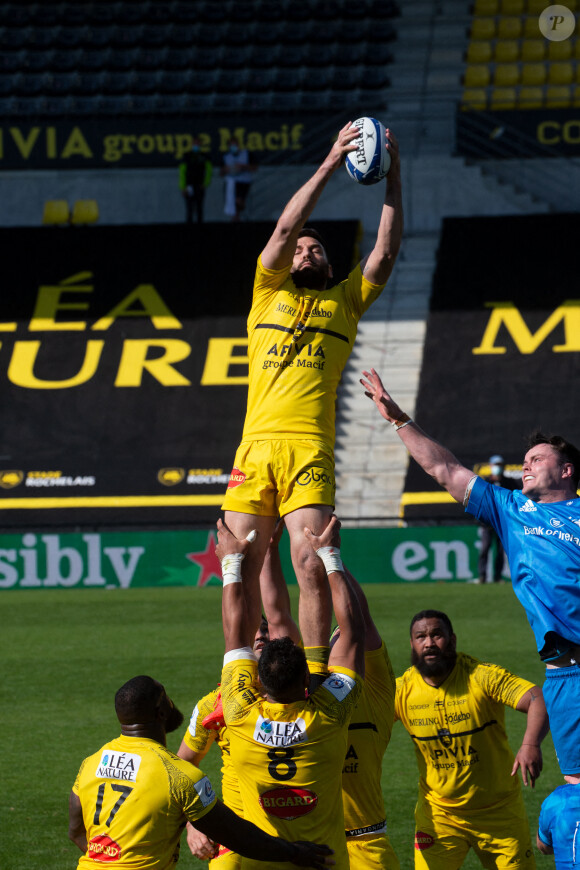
<point x="136" y="798"/>
<point x="289" y="757"/>
<point x="299" y="342"/>
<point x="458" y="732"/>
<point x="369" y="732"/>
<point x="200" y="739"/>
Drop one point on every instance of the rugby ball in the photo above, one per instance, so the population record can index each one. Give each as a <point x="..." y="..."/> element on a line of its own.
<point x="371" y="161"/>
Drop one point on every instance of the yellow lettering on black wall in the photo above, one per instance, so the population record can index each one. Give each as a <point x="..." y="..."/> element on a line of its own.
<point x="134" y="362"/>
<point x="220" y="357"/>
<point x="25" y="146"/>
<point x="151" y="305"/>
<point x="76" y="144"/>
<point x="506" y="314"/>
<point x="21" y="367"/>
<point x="48" y="303"/>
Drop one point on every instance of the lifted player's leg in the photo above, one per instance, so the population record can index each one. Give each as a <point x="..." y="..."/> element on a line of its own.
<point x="315" y="609"/>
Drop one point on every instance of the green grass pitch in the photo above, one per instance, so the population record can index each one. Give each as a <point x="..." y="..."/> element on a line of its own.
<point x="64" y="654"/>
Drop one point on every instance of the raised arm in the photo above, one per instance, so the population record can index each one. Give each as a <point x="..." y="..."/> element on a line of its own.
<point x="378" y="265"/>
<point x="373" y="639"/>
<point x="279" y="250"/>
<point x="529" y="756"/>
<point x="349" y="650"/>
<point x="433" y="458"/>
<point x="230" y="551"/>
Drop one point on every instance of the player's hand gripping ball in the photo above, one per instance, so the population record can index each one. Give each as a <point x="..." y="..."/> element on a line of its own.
<point x="371" y="161"/>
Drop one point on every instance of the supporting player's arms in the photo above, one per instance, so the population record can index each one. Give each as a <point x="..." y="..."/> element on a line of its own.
<point x="223" y="826"/>
<point x="349" y="649"/>
<point x="237" y="629"/>
<point x="76" y="826"/>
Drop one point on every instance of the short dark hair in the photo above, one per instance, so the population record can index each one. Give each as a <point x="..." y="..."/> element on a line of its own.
<point x="432" y="614"/>
<point x="567" y="451"/>
<point x="137" y="699"/>
<point x="282" y="664"/>
<point x="313" y="234"/>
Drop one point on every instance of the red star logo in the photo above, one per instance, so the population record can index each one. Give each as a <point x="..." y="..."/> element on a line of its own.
<point x="208" y="561"/>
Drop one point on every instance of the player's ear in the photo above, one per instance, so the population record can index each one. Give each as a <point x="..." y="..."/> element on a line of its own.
<point x="453" y="642"/>
<point x="330" y="272"/>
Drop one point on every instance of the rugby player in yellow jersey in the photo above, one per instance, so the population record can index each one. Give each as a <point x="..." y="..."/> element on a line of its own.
<point x="131" y="799"/>
<point x="288" y="749"/>
<point x="206" y="726"/>
<point x="369" y="733"/>
<point x="453" y="707"/>
<point x="301" y="333"/>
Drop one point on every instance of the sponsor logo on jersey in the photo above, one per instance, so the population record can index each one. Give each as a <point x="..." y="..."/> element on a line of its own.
<point x="118" y="765"/>
<point x="556" y="524"/>
<point x="205" y="791"/>
<point x="418" y="706"/>
<point x="222" y="850"/>
<point x="528" y="506"/>
<point x="445" y="737"/>
<point x="339" y="685"/>
<point x="271" y="733"/>
<point x="103" y="849"/>
<point x="236" y="477"/>
<point x="288" y="803"/>
<point x="423" y="840"/>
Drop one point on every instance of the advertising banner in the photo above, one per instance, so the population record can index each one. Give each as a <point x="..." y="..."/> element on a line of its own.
<point x="122" y="560"/>
<point x="123" y="369"/>
<point x="145" y="142"/>
<point x="532" y="133"/>
<point x="502" y="350"/>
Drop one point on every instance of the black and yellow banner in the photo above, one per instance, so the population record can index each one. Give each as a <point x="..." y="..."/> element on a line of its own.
<point x="502" y="349"/>
<point x="123" y="369"/>
<point x="530" y="133"/>
<point x="127" y="143"/>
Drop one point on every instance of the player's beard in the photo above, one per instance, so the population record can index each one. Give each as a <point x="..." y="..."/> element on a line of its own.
<point x="443" y="664"/>
<point x="310" y="277"/>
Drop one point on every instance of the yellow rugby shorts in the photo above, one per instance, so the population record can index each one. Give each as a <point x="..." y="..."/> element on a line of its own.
<point x="272" y="478"/>
<point x="499" y="835"/>
<point x="372" y="853"/>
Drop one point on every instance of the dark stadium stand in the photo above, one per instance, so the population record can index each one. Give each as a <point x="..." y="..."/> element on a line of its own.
<point x="67" y="58"/>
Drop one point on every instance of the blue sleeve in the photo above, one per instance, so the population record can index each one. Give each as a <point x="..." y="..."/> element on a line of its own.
<point x="544" y="823"/>
<point x="490" y="504"/>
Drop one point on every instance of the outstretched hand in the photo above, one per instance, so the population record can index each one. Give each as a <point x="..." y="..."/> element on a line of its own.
<point x="312" y="855"/>
<point x="228" y="543"/>
<point x="375" y="390"/>
<point x="330" y="537"/>
<point x="345" y="142"/>
<point x="529" y="761"/>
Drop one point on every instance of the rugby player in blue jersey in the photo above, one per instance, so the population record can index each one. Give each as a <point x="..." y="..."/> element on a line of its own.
<point x="539" y="527"/>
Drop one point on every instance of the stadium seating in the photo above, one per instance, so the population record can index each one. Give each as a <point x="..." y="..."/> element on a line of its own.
<point x="122" y="48"/>
<point x="506" y="50"/>
<point x="56" y="212"/>
<point x="84" y="211"/>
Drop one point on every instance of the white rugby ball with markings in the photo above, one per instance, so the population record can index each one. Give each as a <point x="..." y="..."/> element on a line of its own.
<point x="371" y="161"/>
